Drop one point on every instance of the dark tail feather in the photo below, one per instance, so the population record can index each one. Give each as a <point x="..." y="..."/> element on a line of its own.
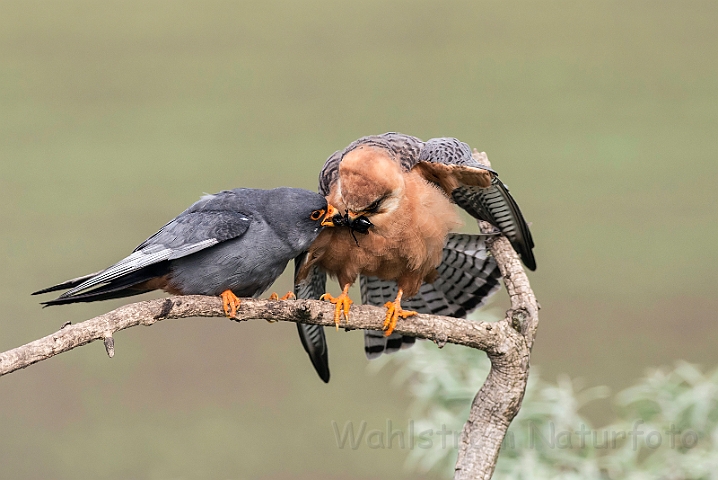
<point x="312" y="336"/>
<point x="126" y="286"/>
<point x="65" y="285"/>
<point x="315" y="344"/>
<point x="375" y="343"/>
<point x="96" y="295"/>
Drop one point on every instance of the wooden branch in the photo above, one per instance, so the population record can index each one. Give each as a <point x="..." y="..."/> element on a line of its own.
<point x="507" y="343"/>
<point x="499" y="399"/>
<point x="482" y="335"/>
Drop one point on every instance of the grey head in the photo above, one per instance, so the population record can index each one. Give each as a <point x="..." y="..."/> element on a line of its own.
<point x="294" y="214"/>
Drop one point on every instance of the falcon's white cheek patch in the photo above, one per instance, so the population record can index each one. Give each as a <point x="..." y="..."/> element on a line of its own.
<point x="390" y="205"/>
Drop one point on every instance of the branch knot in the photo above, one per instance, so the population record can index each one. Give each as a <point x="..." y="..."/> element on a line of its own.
<point x="166" y="309"/>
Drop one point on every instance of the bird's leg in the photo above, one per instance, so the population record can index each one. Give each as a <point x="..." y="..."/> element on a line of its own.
<point x="230" y="302"/>
<point x="342" y="302"/>
<point x="393" y="312"/>
<point x="287" y="296"/>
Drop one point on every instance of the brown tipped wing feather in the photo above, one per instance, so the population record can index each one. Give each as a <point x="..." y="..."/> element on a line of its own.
<point x="451" y="177"/>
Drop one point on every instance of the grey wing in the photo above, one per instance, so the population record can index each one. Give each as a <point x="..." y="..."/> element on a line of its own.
<point x="493" y="204"/>
<point x="212" y="219"/>
<point x="204" y="224"/>
<point x="404" y="148"/>
<point x="468" y="276"/>
<point x="312" y="336"/>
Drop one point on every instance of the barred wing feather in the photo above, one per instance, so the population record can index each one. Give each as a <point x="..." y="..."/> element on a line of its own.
<point x="468" y="276"/>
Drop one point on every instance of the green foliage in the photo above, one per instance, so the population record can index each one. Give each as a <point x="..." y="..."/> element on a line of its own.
<point x="666" y="424"/>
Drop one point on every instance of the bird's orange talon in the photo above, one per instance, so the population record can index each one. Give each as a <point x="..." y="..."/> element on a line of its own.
<point x="276" y="297"/>
<point x="287" y="296"/>
<point x="393" y="312"/>
<point x="230" y="303"/>
<point x="342" y="304"/>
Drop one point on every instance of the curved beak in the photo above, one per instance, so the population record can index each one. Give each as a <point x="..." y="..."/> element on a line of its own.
<point x="328" y="218"/>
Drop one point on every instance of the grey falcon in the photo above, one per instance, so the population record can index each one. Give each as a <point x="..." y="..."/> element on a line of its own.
<point x="232" y="244"/>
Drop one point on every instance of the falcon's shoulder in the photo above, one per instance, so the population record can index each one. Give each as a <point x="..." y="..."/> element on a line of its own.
<point x="211" y="220"/>
<point x="449" y="151"/>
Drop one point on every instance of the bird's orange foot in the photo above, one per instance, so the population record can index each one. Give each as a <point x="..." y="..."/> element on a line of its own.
<point x="230" y="302"/>
<point x="342" y="302"/>
<point x="393" y="312"/>
<point x="287" y="296"/>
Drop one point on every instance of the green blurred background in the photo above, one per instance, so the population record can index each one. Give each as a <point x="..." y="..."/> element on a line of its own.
<point x="115" y="116"/>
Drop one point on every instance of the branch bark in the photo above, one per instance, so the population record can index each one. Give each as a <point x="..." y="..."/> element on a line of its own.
<point x="499" y="399"/>
<point x="482" y="335"/>
<point x="507" y="343"/>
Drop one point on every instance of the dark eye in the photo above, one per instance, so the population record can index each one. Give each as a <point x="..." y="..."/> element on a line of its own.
<point x="373" y="207"/>
<point x="316" y="214"/>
